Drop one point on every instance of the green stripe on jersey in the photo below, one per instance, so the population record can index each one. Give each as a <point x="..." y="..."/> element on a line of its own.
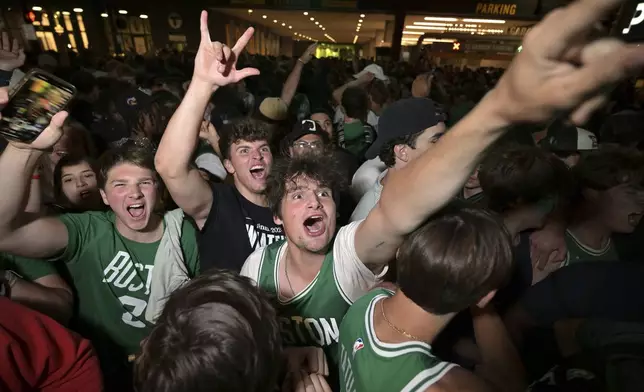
<point x="368" y="364"/>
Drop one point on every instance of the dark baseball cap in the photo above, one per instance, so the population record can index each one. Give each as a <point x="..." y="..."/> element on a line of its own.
<point x="562" y="136"/>
<point x="306" y="127"/>
<point x="402" y="118"/>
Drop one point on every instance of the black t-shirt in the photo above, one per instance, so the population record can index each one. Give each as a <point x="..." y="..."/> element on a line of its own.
<point x="234" y="228"/>
<point x="601" y="290"/>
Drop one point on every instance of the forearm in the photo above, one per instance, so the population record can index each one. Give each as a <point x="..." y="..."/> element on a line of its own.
<point x="54" y="302"/>
<point x="500" y="361"/>
<point x="293" y="80"/>
<point x="181" y="136"/>
<point x="17" y="165"/>
<point x="337" y="93"/>
<point x="415" y="192"/>
<point x="34" y="199"/>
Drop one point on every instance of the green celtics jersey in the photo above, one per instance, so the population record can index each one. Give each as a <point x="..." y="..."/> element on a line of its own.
<point x="578" y="252"/>
<point x="112" y="277"/>
<point x="367" y="364"/>
<point x="312" y="317"/>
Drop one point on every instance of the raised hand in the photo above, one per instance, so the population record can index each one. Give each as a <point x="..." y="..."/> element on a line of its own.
<point x="11" y="56"/>
<point x="561" y="70"/>
<point x="308" y="53"/>
<point x="216" y="63"/>
<point x="48" y="137"/>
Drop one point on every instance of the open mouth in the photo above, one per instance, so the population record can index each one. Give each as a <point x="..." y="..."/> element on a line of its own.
<point x="258" y="172"/>
<point x="314" y="225"/>
<point x="85" y="194"/>
<point x="136" y="211"/>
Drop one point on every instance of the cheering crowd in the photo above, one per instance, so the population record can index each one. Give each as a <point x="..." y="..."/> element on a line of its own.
<point x="243" y="223"/>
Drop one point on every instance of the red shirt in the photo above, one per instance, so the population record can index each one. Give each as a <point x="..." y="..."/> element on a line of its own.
<point x="37" y="353"/>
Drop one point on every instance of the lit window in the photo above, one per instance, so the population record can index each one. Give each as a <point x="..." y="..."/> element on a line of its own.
<point x="44" y="19"/>
<point x="47" y="40"/>
<point x="81" y="24"/>
<point x="85" y="41"/>
<point x="72" y="41"/>
<point x="68" y="22"/>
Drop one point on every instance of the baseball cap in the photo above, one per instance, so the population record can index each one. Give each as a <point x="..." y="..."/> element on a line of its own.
<point x="303" y="128"/>
<point x="274" y="109"/>
<point x="306" y="127"/>
<point x="375" y="69"/>
<point x="402" y="118"/>
<point x="567" y="137"/>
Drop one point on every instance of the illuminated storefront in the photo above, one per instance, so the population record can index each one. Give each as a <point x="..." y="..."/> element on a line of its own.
<point x="55" y="28"/>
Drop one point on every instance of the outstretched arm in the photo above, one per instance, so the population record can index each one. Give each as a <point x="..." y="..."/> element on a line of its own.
<point x="559" y="71"/>
<point x="215" y="66"/>
<point x="293" y="80"/>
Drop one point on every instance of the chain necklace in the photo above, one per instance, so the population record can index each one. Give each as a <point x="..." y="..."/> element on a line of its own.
<point x="288" y="280"/>
<point x="400" y="331"/>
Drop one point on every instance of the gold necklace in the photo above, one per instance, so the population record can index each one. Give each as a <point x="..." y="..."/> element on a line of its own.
<point x="400" y="331"/>
<point x="288" y="280"/>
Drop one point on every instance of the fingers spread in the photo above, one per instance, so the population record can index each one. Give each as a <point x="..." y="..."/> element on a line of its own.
<point x="203" y="25"/>
<point x="243" y="41"/>
<point x="244" y="73"/>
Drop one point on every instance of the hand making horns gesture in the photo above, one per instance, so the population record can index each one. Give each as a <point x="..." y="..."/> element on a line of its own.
<point x="216" y="63"/>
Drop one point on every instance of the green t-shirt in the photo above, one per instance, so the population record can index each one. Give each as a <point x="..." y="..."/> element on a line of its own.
<point x="356" y="137"/>
<point x="112" y="277"/>
<point x="368" y="364"/>
<point x="578" y="252"/>
<point x="29" y="269"/>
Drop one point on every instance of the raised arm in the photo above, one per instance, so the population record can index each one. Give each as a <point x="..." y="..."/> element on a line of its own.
<point x="361" y="81"/>
<point x="293" y="80"/>
<point x="215" y="66"/>
<point x="19" y="234"/>
<point x="558" y="71"/>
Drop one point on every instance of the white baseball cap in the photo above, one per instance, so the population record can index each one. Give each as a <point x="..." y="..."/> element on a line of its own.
<point x="376" y="70"/>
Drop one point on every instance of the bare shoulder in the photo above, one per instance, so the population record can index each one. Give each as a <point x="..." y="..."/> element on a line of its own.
<point x="459" y="379"/>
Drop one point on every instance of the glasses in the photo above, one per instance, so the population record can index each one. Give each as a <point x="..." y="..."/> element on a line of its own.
<point x="302" y="145"/>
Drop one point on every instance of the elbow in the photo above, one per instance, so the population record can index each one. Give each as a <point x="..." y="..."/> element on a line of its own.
<point x="167" y="167"/>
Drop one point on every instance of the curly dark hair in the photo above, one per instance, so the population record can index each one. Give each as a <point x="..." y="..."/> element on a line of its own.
<point x="387" y="154"/>
<point x="325" y="170"/>
<point x="247" y="129"/>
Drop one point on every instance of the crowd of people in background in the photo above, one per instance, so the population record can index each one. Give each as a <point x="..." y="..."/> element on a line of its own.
<point x="225" y="221"/>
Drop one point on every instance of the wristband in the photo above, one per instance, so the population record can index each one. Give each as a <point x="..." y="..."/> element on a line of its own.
<point x="9" y="279"/>
<point x="35" y="177"/>
<point x="300" y="60"/>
